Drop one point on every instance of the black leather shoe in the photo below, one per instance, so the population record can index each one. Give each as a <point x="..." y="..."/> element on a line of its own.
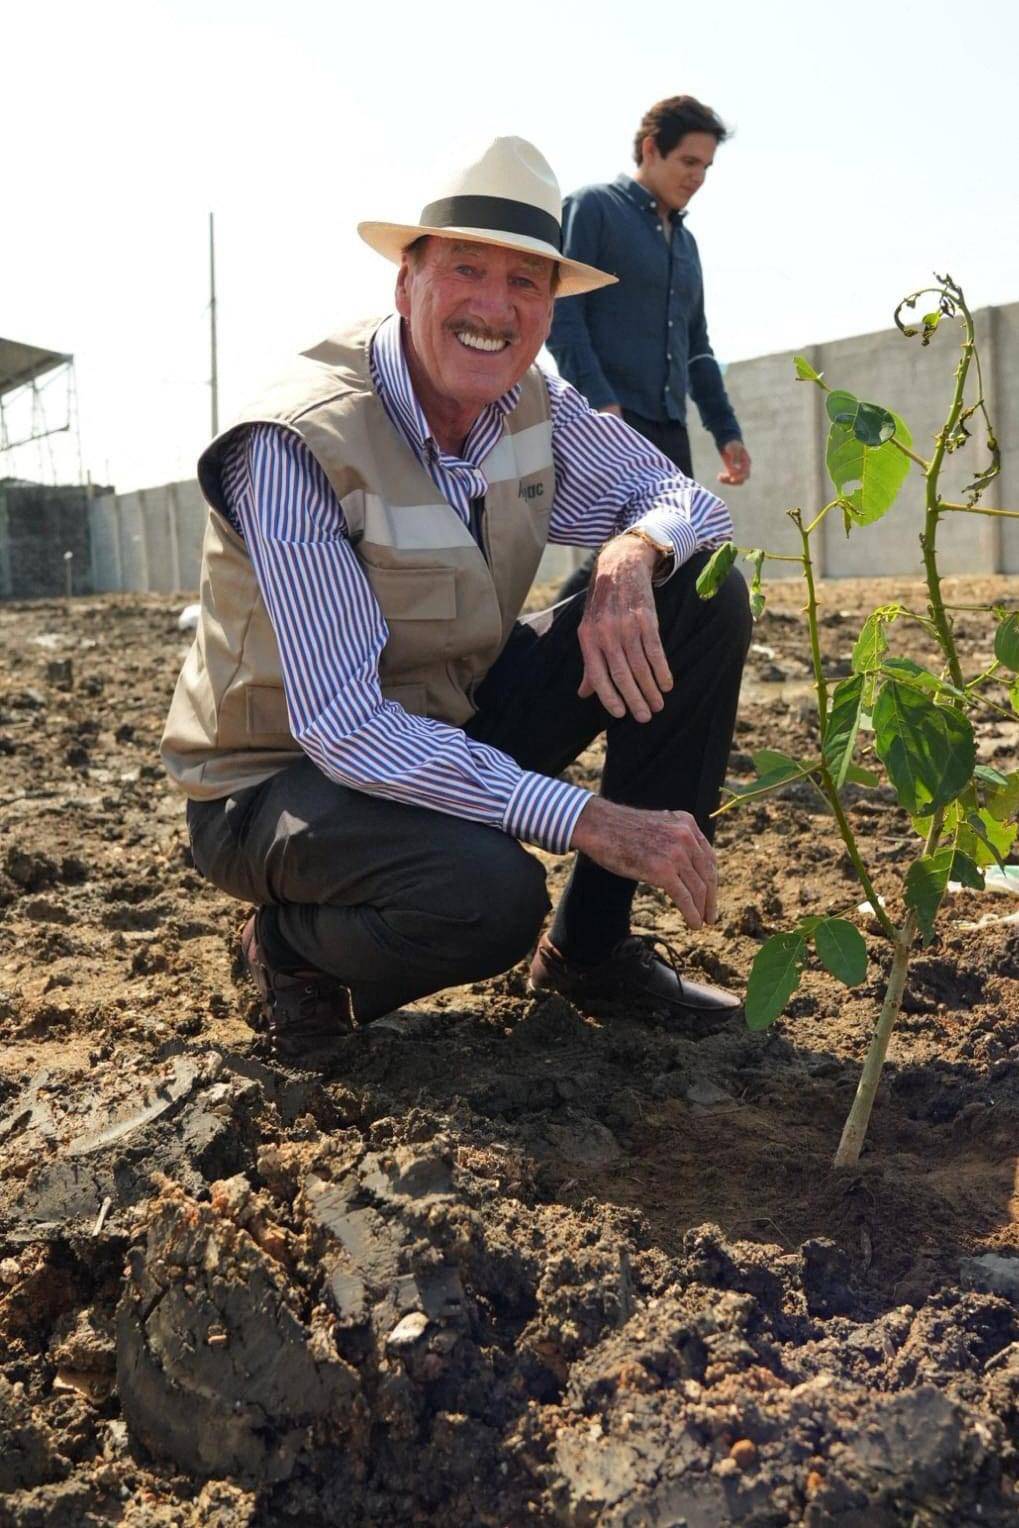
<point x="637" y="975"/>
<point x="303" y="1013"/>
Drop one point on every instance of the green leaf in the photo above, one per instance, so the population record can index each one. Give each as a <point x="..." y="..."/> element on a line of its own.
<point x="804" y="371"/>
<point x="993" y="839"/>
<point x="774" y="977"/>
<point x="841" y="950"/>
<point x="928" y="750"/>
<point x="841" y="407"/>
<point x="871" y="645"/>
<point x="771" y="779"/>
<point x="930" y="323"/>
<point x="1006" y="643"/>
<point x="716" y="570"/>
<point x="988" y="775"/>
<point x="843" y="725"/>
<point x="1002" y="794"/>
<point x="756" y="560"/>
<point x="868" y="478"/>
<point x="857" y="775"/>
<point x="1013" y="696"/>
<point x="920" y="678"/>
<point x="926" y="881"/>
<point x="769" y="761"/>
<point x="966" y="871"/>
<point x="873" y="425"/>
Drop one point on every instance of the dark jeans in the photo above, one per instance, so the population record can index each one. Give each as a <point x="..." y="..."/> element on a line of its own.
<point x="400" y="901"/>
<point x="673" y="441"/>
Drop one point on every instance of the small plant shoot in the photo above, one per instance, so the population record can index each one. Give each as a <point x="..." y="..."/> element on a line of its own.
<point x="891" y="720"/>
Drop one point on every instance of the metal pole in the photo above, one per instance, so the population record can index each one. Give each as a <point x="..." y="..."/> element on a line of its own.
<point x="214" y="372"/>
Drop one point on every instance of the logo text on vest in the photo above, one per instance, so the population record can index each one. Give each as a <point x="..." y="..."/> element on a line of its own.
<point x="531" y="490"/>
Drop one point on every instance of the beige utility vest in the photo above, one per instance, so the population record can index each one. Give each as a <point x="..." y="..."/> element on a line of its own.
<point x="449" y="606"/>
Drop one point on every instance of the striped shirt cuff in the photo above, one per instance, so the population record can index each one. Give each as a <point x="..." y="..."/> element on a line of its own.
<point x="544" y="811"/>
<point x="668" y="525"/>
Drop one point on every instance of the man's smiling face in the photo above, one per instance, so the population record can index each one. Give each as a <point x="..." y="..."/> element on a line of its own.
<point x="475" y="317"/>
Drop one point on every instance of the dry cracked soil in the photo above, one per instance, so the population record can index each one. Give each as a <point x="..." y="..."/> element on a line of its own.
<point x="503" y="1262"/>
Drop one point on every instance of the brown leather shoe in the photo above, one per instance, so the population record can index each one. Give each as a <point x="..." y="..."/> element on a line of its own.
<point x="636" y="974"/>
<point x="303" y="1012"/>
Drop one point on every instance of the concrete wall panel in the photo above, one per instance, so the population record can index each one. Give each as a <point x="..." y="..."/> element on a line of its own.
<point x="134" y="563"/>
<point x="191" y="513"/>
<point x="103" y="517"/>
<point x="160" y="539"/>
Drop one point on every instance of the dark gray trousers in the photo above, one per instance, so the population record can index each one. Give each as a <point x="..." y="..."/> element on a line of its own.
<point x="400" y="901"/>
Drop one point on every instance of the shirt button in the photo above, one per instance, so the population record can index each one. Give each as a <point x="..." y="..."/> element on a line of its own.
<point x="670" y="323"/>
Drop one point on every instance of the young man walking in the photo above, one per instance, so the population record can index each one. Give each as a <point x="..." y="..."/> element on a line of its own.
<point x="638" y="348"/>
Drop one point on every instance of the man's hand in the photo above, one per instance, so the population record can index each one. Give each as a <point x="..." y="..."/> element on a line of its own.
<point x="612" y="408"/>
<point x="624" y="661"/>
<point x="665" y="849"/>
<point x="736" y="459"/>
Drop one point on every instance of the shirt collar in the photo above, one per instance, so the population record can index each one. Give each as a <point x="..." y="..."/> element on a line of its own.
<point x="389" y="362"/>
<point x="641" y="197"/>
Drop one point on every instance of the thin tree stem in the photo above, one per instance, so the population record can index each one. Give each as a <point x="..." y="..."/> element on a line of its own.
<point x="852" y="849"/>
<point x="820" y="683"/>
<point x="911" y="454"/>
<point x="928" y="540"/>
<point x="978" y="509"/>
<point x="832" y="504"/>
<point x="855" y="1128"/>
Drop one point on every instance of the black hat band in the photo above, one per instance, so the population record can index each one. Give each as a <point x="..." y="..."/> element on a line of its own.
<point x="493" y="214"/>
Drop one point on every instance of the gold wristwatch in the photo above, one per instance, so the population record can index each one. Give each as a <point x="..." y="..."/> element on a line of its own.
<point x="662" y="550"/>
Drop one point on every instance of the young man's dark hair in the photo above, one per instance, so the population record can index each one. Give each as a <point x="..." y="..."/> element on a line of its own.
<point x="670" y="120"/>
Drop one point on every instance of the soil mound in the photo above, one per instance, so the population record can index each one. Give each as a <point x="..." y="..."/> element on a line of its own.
<point x="501" y="1261"/>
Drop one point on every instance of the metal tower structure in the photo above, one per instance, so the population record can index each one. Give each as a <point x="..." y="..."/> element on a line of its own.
<point x="38" y="403"/>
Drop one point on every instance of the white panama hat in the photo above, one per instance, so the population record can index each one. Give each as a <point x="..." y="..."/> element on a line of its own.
<point x="508" y="196"/>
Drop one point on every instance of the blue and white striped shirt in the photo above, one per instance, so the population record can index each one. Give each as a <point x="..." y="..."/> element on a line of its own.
<point x="331" y="631"/>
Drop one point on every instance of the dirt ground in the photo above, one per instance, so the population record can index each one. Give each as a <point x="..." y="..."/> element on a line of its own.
<point x="509" y="1263"/>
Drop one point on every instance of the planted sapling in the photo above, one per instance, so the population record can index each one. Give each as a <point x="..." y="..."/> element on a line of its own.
<point x="891" y="717"/>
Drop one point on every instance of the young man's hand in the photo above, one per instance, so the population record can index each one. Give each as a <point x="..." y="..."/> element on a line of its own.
<point x="736" y="463"/>
<point x="663" y="849"/>
<point x="624" y="661"/>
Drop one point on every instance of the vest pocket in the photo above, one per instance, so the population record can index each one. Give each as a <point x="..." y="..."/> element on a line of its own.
<point x="265" y="707"/>
<point x="414" y="594"/>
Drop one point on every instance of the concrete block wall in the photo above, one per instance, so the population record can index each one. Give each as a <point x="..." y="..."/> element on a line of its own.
<point x="148" y="540"/>
<point x="38" y="526"/>
<point x="785" y="428"/>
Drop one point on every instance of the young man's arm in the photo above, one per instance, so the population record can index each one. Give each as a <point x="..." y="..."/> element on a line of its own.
<point x="610" y="479"/>
<point x="708" y="392"/>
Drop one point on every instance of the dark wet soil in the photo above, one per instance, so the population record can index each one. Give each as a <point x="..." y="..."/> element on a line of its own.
<point x="507" y="1262"/>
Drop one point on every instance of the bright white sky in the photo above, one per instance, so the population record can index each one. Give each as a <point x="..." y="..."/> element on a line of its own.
<point x="862" y="160"/>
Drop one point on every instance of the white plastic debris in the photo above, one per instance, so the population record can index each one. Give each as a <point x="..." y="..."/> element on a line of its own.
<point x="188" y="618"/>
<point x="996" y="878"/>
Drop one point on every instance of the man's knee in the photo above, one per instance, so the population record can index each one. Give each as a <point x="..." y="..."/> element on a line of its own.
<point x="732" y="612"/>
<point x="508" y="904"/>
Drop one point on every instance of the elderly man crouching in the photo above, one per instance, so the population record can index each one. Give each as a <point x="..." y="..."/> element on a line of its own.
<point x="366" y="730"/>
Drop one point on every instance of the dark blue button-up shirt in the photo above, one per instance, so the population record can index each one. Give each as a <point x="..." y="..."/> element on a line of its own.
<point x="643" y="343"/>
